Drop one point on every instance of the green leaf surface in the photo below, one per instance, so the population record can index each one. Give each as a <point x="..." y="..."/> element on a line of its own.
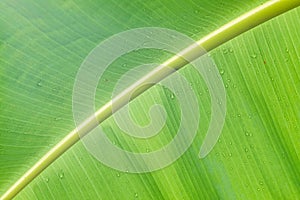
<point x="42" y="45"/>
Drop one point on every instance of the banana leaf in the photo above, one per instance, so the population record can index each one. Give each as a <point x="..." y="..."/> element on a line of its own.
<point x="43" y="44"/>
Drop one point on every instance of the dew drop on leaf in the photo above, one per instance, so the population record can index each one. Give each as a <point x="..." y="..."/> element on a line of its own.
<point x="136" y="195"/>
<point x="39" y="84"/>
<point x="222" y="71"/>
<point x="225" y="51"/>
<point x="253" y="56"/>
<point x="61" y="174"/>
<point x="247" y="133"/>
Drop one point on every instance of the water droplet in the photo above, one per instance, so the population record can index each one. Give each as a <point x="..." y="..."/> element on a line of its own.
<point x="253" y="56"/>
<point x="239" y="115"/>
<point x="231" y="50"/>
<point x="222" y="71"/>
<point x="219" y="140"/>
<point x="124" y="65"/>
<point x="47" y="180"/>
<point x="147" y="150"/>
<point x="226" y="85"/>
<point x="39" y="83"/>
<point x="258" y="189"/>
<point x="225" y="51"/>
<point x="118" y="174"/>
<point x="172" y="96"/>
<point x="261" y="183"/>
<point x="246" y="149"/>
<point x="230" y="143"/>
<point x="136" y="195"/>
<point x="196" y="11"/>
<point x="230" y="154"/>
<point x="247" y="133"/>
<point x="61" y="174"/>
<point x="228" y="80"/>
<point x="287" y="50"/>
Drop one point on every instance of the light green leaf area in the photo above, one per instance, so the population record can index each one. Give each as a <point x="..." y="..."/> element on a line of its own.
<point x="42" y="45"/>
